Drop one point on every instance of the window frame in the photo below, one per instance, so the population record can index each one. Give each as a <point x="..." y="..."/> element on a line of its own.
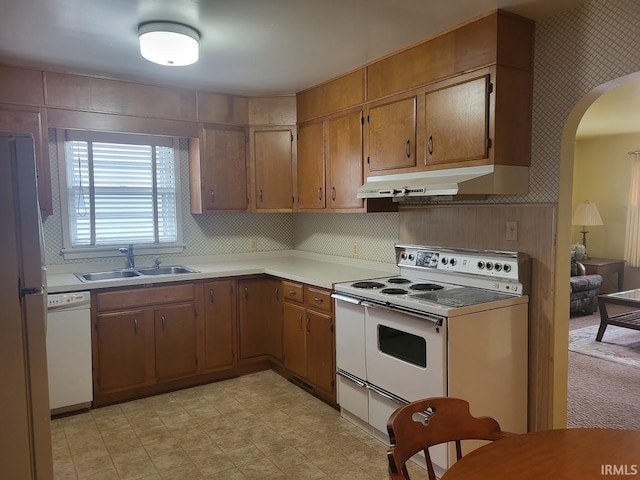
<point x="69" y="252"/>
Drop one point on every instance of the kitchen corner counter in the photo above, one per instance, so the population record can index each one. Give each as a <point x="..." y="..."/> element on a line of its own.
<point x="313" y="269"/>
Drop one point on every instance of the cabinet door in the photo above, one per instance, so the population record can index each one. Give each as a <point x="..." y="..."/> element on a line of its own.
<point x="344" y="160"/>
<point x="218" y="325"/>
<point x="14" y="119"/>
<point x="225" y="169"/>
<point x="311" y="166"/>
<point x="294" y="335"/>
<point x="120" y="354"/>
<point x="320" y="347"/>
<point x="392" y="135"/>
<point x="175" y="341"/>
<point x="259" y="313"/>
<point x="273" y="163"/>
<point x="457" y="122"/>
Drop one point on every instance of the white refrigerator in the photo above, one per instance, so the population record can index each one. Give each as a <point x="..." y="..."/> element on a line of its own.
<point x="25" y="428"/>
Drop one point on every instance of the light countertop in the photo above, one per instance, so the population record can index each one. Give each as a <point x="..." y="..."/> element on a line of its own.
<point x="310" y="268"/>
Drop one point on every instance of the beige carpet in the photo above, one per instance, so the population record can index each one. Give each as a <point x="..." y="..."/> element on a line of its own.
<point x="602" y="393"/>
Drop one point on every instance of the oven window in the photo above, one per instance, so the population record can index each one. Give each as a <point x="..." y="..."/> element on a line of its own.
<point x="402" y="345"/>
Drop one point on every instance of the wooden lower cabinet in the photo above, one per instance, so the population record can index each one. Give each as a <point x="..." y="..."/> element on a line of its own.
<point x="120" y="360"/>
<point x="260" y="318"/>
<point x="175" y="341"/>
<point x="219" y="325"/>
<point x="308" y="339"/>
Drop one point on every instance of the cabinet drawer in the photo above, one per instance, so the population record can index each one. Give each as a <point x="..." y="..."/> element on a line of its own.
<point x="139" y="297"/>
<point x="318" y="299"/>
<point x="292" y="291"/>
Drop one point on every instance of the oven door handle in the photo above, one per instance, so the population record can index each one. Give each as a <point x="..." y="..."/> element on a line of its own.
<point x="344" y="298"/>
<point x="387" y="395"/>
<point x="421" y="316"/>
<point x="352" y="378"/>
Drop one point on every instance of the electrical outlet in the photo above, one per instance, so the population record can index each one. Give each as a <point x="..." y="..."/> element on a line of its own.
<point x="253" y="244"/>
<point x="355" y="249"/>
<point x="512" y="230"/>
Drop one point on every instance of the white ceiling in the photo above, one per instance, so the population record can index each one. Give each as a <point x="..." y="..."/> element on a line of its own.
<point x="249" y="47"/>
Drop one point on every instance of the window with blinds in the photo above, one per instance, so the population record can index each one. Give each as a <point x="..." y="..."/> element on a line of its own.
<point x="121" y="189"/>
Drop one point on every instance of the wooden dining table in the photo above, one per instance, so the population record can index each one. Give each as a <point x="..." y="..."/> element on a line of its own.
<point x="563" y="454"/>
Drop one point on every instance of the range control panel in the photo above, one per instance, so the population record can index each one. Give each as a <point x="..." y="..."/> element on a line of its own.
<point x="503" y="265"/>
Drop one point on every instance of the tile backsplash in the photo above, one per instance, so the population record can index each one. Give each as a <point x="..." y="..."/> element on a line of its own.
<point x="369" y="237"/>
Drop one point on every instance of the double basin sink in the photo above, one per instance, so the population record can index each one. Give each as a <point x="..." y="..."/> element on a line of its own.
<point x="134" y="272"/>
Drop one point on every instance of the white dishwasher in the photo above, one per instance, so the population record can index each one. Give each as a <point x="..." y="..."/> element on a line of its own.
<point x="69" y="351"/>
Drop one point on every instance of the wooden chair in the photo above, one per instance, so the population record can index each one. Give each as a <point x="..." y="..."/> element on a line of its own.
<point x="421" y="424"/>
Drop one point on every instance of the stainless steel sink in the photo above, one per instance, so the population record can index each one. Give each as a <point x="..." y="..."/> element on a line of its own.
<point x="168" y="270"/>
<point x="110" y="275"/>
<point x="129" y="273"/>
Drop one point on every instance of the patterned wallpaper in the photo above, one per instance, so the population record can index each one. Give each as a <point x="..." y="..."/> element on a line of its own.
<point x="574" y="52"/>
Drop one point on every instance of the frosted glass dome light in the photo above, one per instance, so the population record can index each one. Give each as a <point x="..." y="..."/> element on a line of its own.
<point x="169" y="43"/>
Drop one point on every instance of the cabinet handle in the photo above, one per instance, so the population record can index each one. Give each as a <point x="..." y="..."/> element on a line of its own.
<point x="292" y="292"/>
<point x="135" y="326"/>
<point x="319" y="193"/>
<point x="277" y="293"/>
<point x="211" y="295"/>
<point x="309" y="324"/>
<point x="246" y="293"/>
<point x="333" y="193"/>
<point x="300" y="322"/>
<point x="213" y="196"/>
<point x="318" y="300"/>
<point x="407" y="148"/>
<point x="260" y="195"/>
<point x="430" y="145"/>
<point x="163" y="322"/>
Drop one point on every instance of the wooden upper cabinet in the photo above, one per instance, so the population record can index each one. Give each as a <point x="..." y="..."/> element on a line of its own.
<point x="340" y="93"/>
<point x="344" y="160"/>
<point x="21" y="86"/>
<point x="497" y="38"/>
<point x="272" y="152"/>
<point x="311" y="167"/>
<point x="33" y="120"/>
<point x="457" y="121"/>
<point x="392" y="135"/>
<point x="80" y="92"/>
<point x="218" y="170"/>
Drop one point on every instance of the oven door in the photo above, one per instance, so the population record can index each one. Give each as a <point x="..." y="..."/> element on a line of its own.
<point x="405" y="352"/>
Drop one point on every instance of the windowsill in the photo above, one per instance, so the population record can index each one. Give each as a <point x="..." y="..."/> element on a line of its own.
<point x="112" y="251"/>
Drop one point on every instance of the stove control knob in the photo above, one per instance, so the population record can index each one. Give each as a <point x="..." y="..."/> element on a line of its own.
<point x="480" y="265"/>
<point x="411" y="256"/>
<point x="507" y="267"/>
<point x="453" y="262"/>
<point x="497" y="267"/>
<point x="489" y="266"/>
<point x="403" y="256"/>
<point x="444" y="260"/>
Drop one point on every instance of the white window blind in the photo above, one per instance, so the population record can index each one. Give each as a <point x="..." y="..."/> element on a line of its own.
<point x="121" y="189"/>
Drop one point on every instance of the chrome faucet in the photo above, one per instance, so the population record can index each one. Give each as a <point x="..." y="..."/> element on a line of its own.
<point x="131" y="260"/>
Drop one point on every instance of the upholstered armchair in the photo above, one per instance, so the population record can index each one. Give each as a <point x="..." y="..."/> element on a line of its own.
<point x="584" y="289"/>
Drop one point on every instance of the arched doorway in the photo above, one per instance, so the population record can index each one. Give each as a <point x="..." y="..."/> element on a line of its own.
<point x="566" y="187"/>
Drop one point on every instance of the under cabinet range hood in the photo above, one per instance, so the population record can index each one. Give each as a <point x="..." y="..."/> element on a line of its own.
<point x="480" y="180"/>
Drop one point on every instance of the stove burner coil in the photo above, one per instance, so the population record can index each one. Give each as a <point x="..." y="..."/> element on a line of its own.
<point x="398" y="280"/>
<point x="394" y="291"/>
<point x="420" y="287"/>
<point x="367" y="285"/>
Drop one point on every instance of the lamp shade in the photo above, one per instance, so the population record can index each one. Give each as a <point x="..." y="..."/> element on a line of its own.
<point x="169" y="43"/>
<point x="586" y="215"/>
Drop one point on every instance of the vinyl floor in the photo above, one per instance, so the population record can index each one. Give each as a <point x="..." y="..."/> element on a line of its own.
<point x="257" y="426"/>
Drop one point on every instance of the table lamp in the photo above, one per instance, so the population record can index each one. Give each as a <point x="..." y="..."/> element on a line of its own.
<point x="586" y="215"/>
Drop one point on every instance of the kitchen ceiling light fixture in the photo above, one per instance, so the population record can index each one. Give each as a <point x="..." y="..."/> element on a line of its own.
<point x="586" y="215"/>
<point x="169" y="43"/>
